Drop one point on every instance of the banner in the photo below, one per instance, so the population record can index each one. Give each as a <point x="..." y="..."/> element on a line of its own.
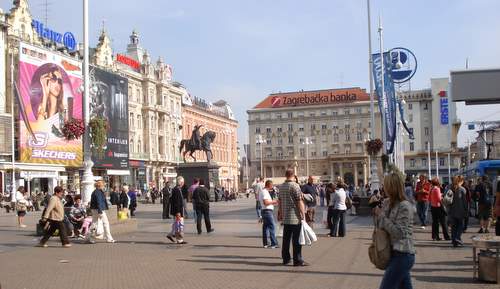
<point x="403" y="120"/>
<point x="49" y="94"/>
<point x="387" y="101"/>
<point x="109" y="99"/>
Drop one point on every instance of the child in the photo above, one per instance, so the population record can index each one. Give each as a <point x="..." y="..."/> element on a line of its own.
<point x="177" y="230"/>
<point x="87" y="221"/>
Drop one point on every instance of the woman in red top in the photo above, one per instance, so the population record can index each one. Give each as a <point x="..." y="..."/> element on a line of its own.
<point x="437" y="211"/>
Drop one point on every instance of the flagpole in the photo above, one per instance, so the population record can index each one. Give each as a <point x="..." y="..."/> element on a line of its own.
<point x="381" y="43"/>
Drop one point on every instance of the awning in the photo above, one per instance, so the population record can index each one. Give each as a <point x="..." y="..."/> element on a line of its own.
<point x="33" y="167"/>
<point x="118" y="172"/>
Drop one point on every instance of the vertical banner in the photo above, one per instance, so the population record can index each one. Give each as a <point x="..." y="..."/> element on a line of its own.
<point x="109" y="99"/>
<point x="387" y="100"/>
<point x="49" y="94"/>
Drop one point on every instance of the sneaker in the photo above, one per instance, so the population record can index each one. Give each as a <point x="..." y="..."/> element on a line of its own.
<point x="90" y="242"/>
<point x="303" y="264"/>
<point x="210" y="231"/>
<point x="182" y="242"/>
<point x="480" y="231"/>
<point x="274" y="247"/>
<point x="266" y="246"/>
<point x="23" y="226"/>
<point x="67" y="245"/>
<point x="423" y="227"/>
<point x="42" y="245"/>
<point x="110" y="241"/>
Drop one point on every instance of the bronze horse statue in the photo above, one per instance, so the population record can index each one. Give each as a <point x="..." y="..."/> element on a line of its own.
<point x="205" y="142"/>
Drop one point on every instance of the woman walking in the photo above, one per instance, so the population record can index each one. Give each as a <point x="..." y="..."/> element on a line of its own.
<point x="396" y="218"/>
<point x="339" y="209"/>
<point x="329" y="191"/>
<point x="438" y="212"/>
<point x="457" y="211"/>
<point x="54" y="215"/>
<point x="21" y="206"/>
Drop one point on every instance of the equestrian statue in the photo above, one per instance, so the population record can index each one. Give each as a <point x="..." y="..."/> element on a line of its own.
<point x="198" y="143"/>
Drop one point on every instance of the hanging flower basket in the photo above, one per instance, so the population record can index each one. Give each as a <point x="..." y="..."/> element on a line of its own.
<point x="374" y="146"/>
<point x="73" y="129"/>
<point x="98" y="134"/>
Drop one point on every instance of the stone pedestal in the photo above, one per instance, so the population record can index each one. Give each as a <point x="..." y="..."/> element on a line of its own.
<point x="208" y="171"/>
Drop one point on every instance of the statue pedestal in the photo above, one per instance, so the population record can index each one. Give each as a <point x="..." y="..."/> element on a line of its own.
<point x="208" y="171"/>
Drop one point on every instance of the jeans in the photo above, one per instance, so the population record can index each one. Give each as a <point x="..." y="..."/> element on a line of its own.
<point x="422" y="208"/>
<point x="397" y="274"/>
<point x="166" y="208"/>
<point x="322" y="201"/>
<point x="457" y="227"/>
<point x="203" y="211"/>
<point x="194" y="210"/>
<point x="439" y="218"/>
<point x="329" y="217"/>
<point x="258" y="208"/>
<point x="105" y="223"/>
<point x="53" y="226"/>
<point x="338" y="221"/>
<point x="268" y="226"/>
<point x="184" y="207"/>
<point x="291" y="233"/>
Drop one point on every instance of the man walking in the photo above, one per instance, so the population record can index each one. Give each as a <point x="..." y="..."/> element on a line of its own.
<point x="176" y="209"/>
<point x="484" y="191"/>
<point x="192" y="188"/>
<point x="166" y="191"/>
<point x="422" y="191"/>
<point x="201" y="198"/>
<point x="99" y="206"/>
<point x="291" y="211"/>
<point x="268" y="216"/>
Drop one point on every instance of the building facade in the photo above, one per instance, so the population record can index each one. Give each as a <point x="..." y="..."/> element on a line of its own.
<point x="431" y="116"/>
<point x="320" y="133"/>
<point x="217" y="117"/>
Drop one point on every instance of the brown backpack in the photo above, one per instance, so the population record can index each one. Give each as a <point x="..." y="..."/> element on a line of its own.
<point x="380" y="249"/>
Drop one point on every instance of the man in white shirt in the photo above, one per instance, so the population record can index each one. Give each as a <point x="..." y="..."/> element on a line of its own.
<point x="268" y="215"/>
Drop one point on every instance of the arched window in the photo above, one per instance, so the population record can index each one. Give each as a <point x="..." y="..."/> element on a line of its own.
<point x="131" y="145"/>
<point x="139" y="146"/>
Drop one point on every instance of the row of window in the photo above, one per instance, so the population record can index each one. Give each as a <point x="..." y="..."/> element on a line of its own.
<point x="291" y="114"/>
<point x="424" y="162"/>
<point x="312" y="153"/>
<point x="161" y="99"/>
<point x="312" y="127"/>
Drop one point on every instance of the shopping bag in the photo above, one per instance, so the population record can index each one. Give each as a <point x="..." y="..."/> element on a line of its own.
<point x="302" y="237"/>
<point x="122" y="215"/>
<point x="309" y="233"/>
<point x="99" y="230"/>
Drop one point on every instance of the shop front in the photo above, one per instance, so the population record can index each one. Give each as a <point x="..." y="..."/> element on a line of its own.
<point x="137" y="175"/>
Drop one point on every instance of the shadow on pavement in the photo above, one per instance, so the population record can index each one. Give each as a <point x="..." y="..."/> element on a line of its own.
<point x="234" y="257"/>
<point x="225" y="246"/>
<point x="445" y="279"/>
<point x="449" y="263"/>
<point x="292" y="271"/>
<point x="236" y="262"/>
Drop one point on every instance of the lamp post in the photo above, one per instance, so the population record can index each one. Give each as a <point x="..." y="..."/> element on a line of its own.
<point x="259" y="141"/>
<point x="88" y="177"/>
<point x="307" y="142"/>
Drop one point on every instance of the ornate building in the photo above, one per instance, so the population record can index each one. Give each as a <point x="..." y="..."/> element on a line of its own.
<point x="154" y="110"/>
<point x="217" y="117"/>
<point x="319" y="133"/>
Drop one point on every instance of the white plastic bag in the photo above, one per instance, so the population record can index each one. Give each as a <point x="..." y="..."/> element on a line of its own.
<point x="99" y="230"/>
<point x="309" y="235"/>
<point x="302" y="237"/>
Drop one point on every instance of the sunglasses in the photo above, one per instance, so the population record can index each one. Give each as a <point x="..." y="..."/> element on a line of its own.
<point x="54" y="78"/>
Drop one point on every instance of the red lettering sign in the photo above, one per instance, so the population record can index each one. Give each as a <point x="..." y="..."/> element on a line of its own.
<point x="128" y="61"/>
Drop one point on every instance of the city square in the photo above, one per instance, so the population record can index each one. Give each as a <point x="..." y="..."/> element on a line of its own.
<point x="262" y="144"/>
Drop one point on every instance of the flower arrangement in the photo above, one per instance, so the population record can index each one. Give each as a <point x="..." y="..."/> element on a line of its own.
<point x="374" y="146"/>
<point x="98" y="132"/>
<point x="73" y="129"/>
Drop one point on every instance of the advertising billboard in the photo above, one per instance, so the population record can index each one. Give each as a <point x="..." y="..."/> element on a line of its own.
<point x="49" y="94"/>
<point x="109" y="100"/>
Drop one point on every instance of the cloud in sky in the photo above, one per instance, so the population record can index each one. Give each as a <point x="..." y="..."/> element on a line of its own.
<point x="243" y="50"/>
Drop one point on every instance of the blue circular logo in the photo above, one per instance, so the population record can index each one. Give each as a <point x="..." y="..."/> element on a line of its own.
<point x="69" y="41"/>
<point x="404" y="64"/>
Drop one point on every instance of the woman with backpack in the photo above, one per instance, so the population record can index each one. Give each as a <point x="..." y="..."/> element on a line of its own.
<point x="396" y="218"/>
<point x="457" y="202"/>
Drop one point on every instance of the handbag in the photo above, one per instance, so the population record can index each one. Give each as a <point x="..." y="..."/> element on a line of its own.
<point x="122" y="215"/>
<point x="21" y="207"/>
<point x="348" y="202"/>
<point x="448" y="198"/>
<point x="380" y="249"/>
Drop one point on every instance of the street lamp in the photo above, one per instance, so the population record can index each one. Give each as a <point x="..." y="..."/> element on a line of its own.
<point x="307" y="142"/>
<point x="88" y="177"/>
<point x="259" y="141"/>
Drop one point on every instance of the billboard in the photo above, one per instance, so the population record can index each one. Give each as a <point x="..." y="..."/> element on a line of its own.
<point x="473" y="86"/>
<point x="109" y="99"/>
<point x="49" y="94"/>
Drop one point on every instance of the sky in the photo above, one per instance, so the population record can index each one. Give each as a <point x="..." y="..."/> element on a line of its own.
<point x="241" y="51"/>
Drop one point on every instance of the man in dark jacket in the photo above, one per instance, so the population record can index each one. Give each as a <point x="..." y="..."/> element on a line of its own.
<point x="176" y="204"/>
<point x="201" y="198"/>
<point x="99" y="206"/>
<point x="167" y="193"/>
<point x="310" y="196"/>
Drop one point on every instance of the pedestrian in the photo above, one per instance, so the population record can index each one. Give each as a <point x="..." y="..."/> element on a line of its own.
<point x="468" y="199"/>
<point x="267" y="213"/>
<point x="114" y="196"/>
<point x="185" y="194"/>
<point x="53" y="217"/>
<point x="176" y="209"/>
<point x="167" y="193"/>
<point x="322" y="196"/>
<point x="329" y="191"/>
<point x="497" y="208"/>
<point x="132" y="201"/>
<point x="21" y="205"/>
<point x="291" y="212"/>
<point x="192" y="188"/>
<point x="438" y="211"/>
<point x="201" y="197"/>
<point x="422" y="192"/>
<point x="396" y="218"/>
<point x="154" y="194"/>
<point x="310" y="195"/>
<point x="123" y="200"/>
<point x="484" y="192"/>
<point x="259" y="185"/>
<point x="99" y="206"/>
<point x="457" y="210"/>
<point x="339" y="209"/>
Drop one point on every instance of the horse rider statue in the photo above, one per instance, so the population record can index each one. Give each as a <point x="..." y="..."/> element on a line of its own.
<point x="195" y="137"/>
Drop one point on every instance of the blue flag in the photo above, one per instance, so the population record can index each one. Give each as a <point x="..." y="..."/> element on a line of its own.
<point x="386" y="101"/>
